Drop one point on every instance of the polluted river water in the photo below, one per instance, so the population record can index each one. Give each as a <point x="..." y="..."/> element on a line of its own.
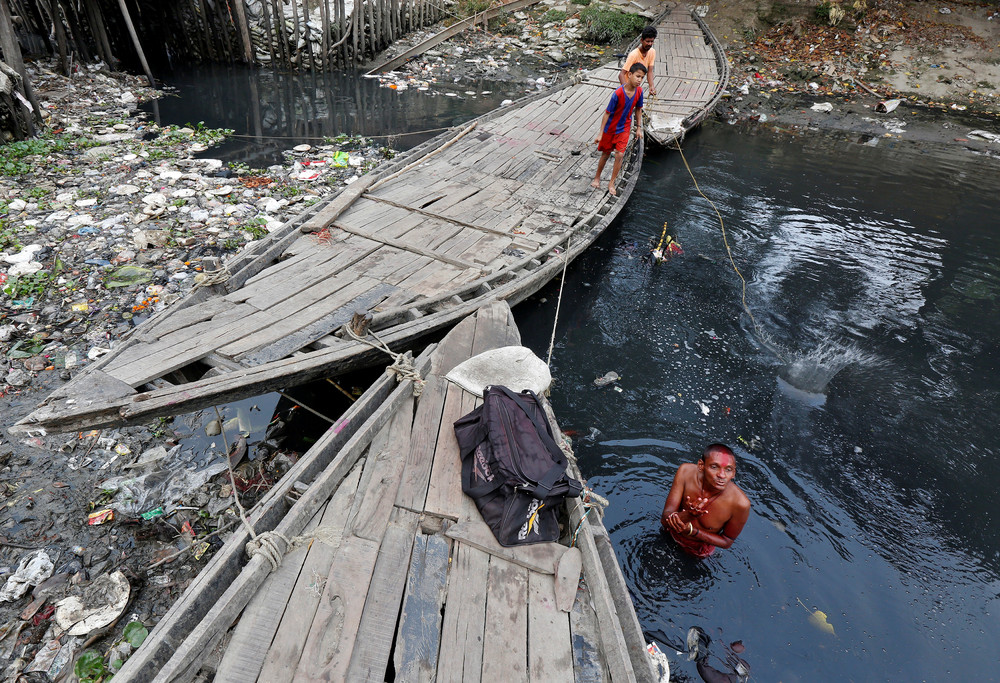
<point x="856" y="392"/>
<point x="859" y="399"/>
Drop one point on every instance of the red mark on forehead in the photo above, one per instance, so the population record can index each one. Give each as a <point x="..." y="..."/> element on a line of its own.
<point x="722" y="459"/>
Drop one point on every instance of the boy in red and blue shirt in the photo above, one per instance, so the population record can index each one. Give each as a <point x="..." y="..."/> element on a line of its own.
<point x="616" y="125"/>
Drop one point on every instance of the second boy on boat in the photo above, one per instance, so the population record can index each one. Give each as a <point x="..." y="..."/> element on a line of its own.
<point x="616" y="125"/>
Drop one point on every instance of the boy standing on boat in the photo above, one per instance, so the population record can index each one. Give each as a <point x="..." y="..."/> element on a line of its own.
<point x="616" y="125"/>
<point x="645" y="55"/>
<point x="705" y="509"/>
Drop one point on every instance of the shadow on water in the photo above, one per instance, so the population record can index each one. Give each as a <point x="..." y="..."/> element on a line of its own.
<point x="867" y="445"/>
<point x="271" y="111"/>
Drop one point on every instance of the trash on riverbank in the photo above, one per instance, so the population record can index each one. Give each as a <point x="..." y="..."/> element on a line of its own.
<point x="886" y="106"/>
<point x="31" y="571"/>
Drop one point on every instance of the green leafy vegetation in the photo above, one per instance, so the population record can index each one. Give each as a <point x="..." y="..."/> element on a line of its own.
<point x="605" y="25"/>
<point x="34" y="284"/>
<point x="256" y="227"/>
<point x="469" y="7"/>
<point x="16" y="157"/>
<point x="554" y="15"/>
<point x="89" y="668"/>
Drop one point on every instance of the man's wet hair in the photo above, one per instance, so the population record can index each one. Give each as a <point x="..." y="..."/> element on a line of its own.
<point x="718" y="449"/>
<point x="638" y="66"/>
<point x="648" y="32"/>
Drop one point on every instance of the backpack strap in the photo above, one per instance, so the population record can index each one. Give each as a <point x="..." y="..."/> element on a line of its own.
<point x="543" y="488"/>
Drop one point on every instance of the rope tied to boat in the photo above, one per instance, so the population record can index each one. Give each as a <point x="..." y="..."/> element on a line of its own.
<point x="589" y="500"/>
<point x="402" y="365"/>
<point x="266" y="545"/>
<point x="216" y="277"/>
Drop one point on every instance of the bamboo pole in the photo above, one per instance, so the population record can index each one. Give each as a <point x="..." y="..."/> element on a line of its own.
<point x="280" y="34"/>
<point x="102" y="33"/>
<point x="268" y="34"/>
<point x="224" y="30"/>
<point x="74" y="24"/>
<point x="355" y="30"/>
<point x="324" y="12"/>
<point x="342" y="26"/>
<point x="244" y="30"/>
<point x="135" y="41"/>
<point x="205" y="29"/>
<point x="307" y="32"/>
<point x="296" y="29"/>
<point x="12" y="55"/>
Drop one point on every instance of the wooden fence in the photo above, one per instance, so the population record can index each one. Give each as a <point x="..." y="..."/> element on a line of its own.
<point x="301" y="35"/>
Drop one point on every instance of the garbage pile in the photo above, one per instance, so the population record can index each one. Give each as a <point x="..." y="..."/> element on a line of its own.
<point x="145" y="509"/>
<point x="107" y="218"/>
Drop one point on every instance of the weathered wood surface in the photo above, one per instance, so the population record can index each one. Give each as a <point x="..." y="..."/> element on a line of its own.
<point x="690" y="71"/>
<point x="387" y="587"/>
<point x="485" y="213"/>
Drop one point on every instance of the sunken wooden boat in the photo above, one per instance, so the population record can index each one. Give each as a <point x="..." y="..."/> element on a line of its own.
<point x="691" y="73"/>
<point x="397" y="577"/>
<point x="489" y="212"/>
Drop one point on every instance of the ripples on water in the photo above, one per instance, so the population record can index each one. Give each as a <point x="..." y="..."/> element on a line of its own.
<point x="869" y="383"/>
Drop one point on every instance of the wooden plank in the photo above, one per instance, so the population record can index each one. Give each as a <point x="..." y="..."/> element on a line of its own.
<point x="550" y="654"/>
<point x="538" y="557"/>
<point x="281" y="659"/>
<point x="568" y="578"/>
<point x="444" y="492"/>
<point x="406" y="246"/>
<point x="252" y="636"/>
<point x="370" y="657"/>
<point x="419" y="634"/>
<point x="333" y="633"/>
<point x="507" y="623"/>
<point x="383" y="471"/>
<point x="362" y="420"/>
<point x="588" y="662"/>
<point x="330" y="322"/>
<point x="461" y="656"/>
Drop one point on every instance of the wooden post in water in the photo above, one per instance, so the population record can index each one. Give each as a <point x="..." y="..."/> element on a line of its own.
<point x="267" y="31"/>
<point x="342" y="26"/>
<point x="296" y="29"/>
<point x="12" y="55"/>
<point x="227" y="44"/>
<point x="355" y="30"/>
<point x="135" y="41"/>
<point x="281" y="31"/>
<point x="307" y="33"/>
<point x="244" y="29"/>
<point x="324" y="11"/>
<point x="97" y="21"/>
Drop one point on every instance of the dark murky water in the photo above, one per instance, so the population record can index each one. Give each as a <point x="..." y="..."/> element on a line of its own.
<point x="869" y="382"/>
<point x="860" y="396"/>
<point x="271" y="111"/>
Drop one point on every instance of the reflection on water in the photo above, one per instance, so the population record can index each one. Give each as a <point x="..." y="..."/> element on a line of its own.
<point x="272" y="111"/>
<point x="864" y="421"/>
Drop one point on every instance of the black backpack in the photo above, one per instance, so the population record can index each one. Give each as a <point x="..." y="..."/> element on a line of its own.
<point x="512" y="467"/>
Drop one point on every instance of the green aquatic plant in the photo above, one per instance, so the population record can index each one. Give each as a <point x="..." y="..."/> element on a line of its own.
<point x="602" y="24"/>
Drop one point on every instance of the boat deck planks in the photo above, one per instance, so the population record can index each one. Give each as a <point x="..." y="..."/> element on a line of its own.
<point x="384" y="581"/>
<point x="483" y="213"/>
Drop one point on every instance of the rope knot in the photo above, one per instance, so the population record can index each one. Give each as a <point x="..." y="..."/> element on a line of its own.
<point x="266" y="544"/>
<point x="402" y="365"/>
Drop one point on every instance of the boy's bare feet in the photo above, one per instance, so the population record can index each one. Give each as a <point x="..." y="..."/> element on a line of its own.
<point x="595" y="183"/>
<point x="612" y="190"/>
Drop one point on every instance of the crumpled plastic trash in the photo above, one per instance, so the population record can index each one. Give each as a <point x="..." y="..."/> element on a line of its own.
<point x="822" y="106"/>
<point x="161" y="487"/>
<point x="607" y="379"/>
<point x="31" y="571"/>
<point x="887" y="106"/>
<point x="127" y="276"/>
<point x="99" y="603"/>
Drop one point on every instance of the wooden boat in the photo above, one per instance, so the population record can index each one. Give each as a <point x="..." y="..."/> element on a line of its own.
<point x="489" y="212"/>
<point x="691" y="72"/>
<point x="397" y="577"/>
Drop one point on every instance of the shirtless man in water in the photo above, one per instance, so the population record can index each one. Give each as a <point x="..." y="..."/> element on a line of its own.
<point x="705" y="509"/>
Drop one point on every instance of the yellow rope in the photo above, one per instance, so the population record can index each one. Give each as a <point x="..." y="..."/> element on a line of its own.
<point x="725" y="240"/>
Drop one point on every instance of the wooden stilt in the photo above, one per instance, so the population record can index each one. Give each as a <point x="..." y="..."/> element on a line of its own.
<point x="325" y="14"/>
<point x="12" y="55"/>
<point x="101" y="33"/>
<point x="280" y="34"/>
<point x="268" y="33"/>
<point x="244" y="28"/>
<point x="342" y="25"/>
<point x="296" y="34"/>
<point x="307" y="33"/>
<point x="135" y="42"/>
<point x="52" y="10"/>
<point x="224" y="30"/>
<point x="355" y="30"/>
